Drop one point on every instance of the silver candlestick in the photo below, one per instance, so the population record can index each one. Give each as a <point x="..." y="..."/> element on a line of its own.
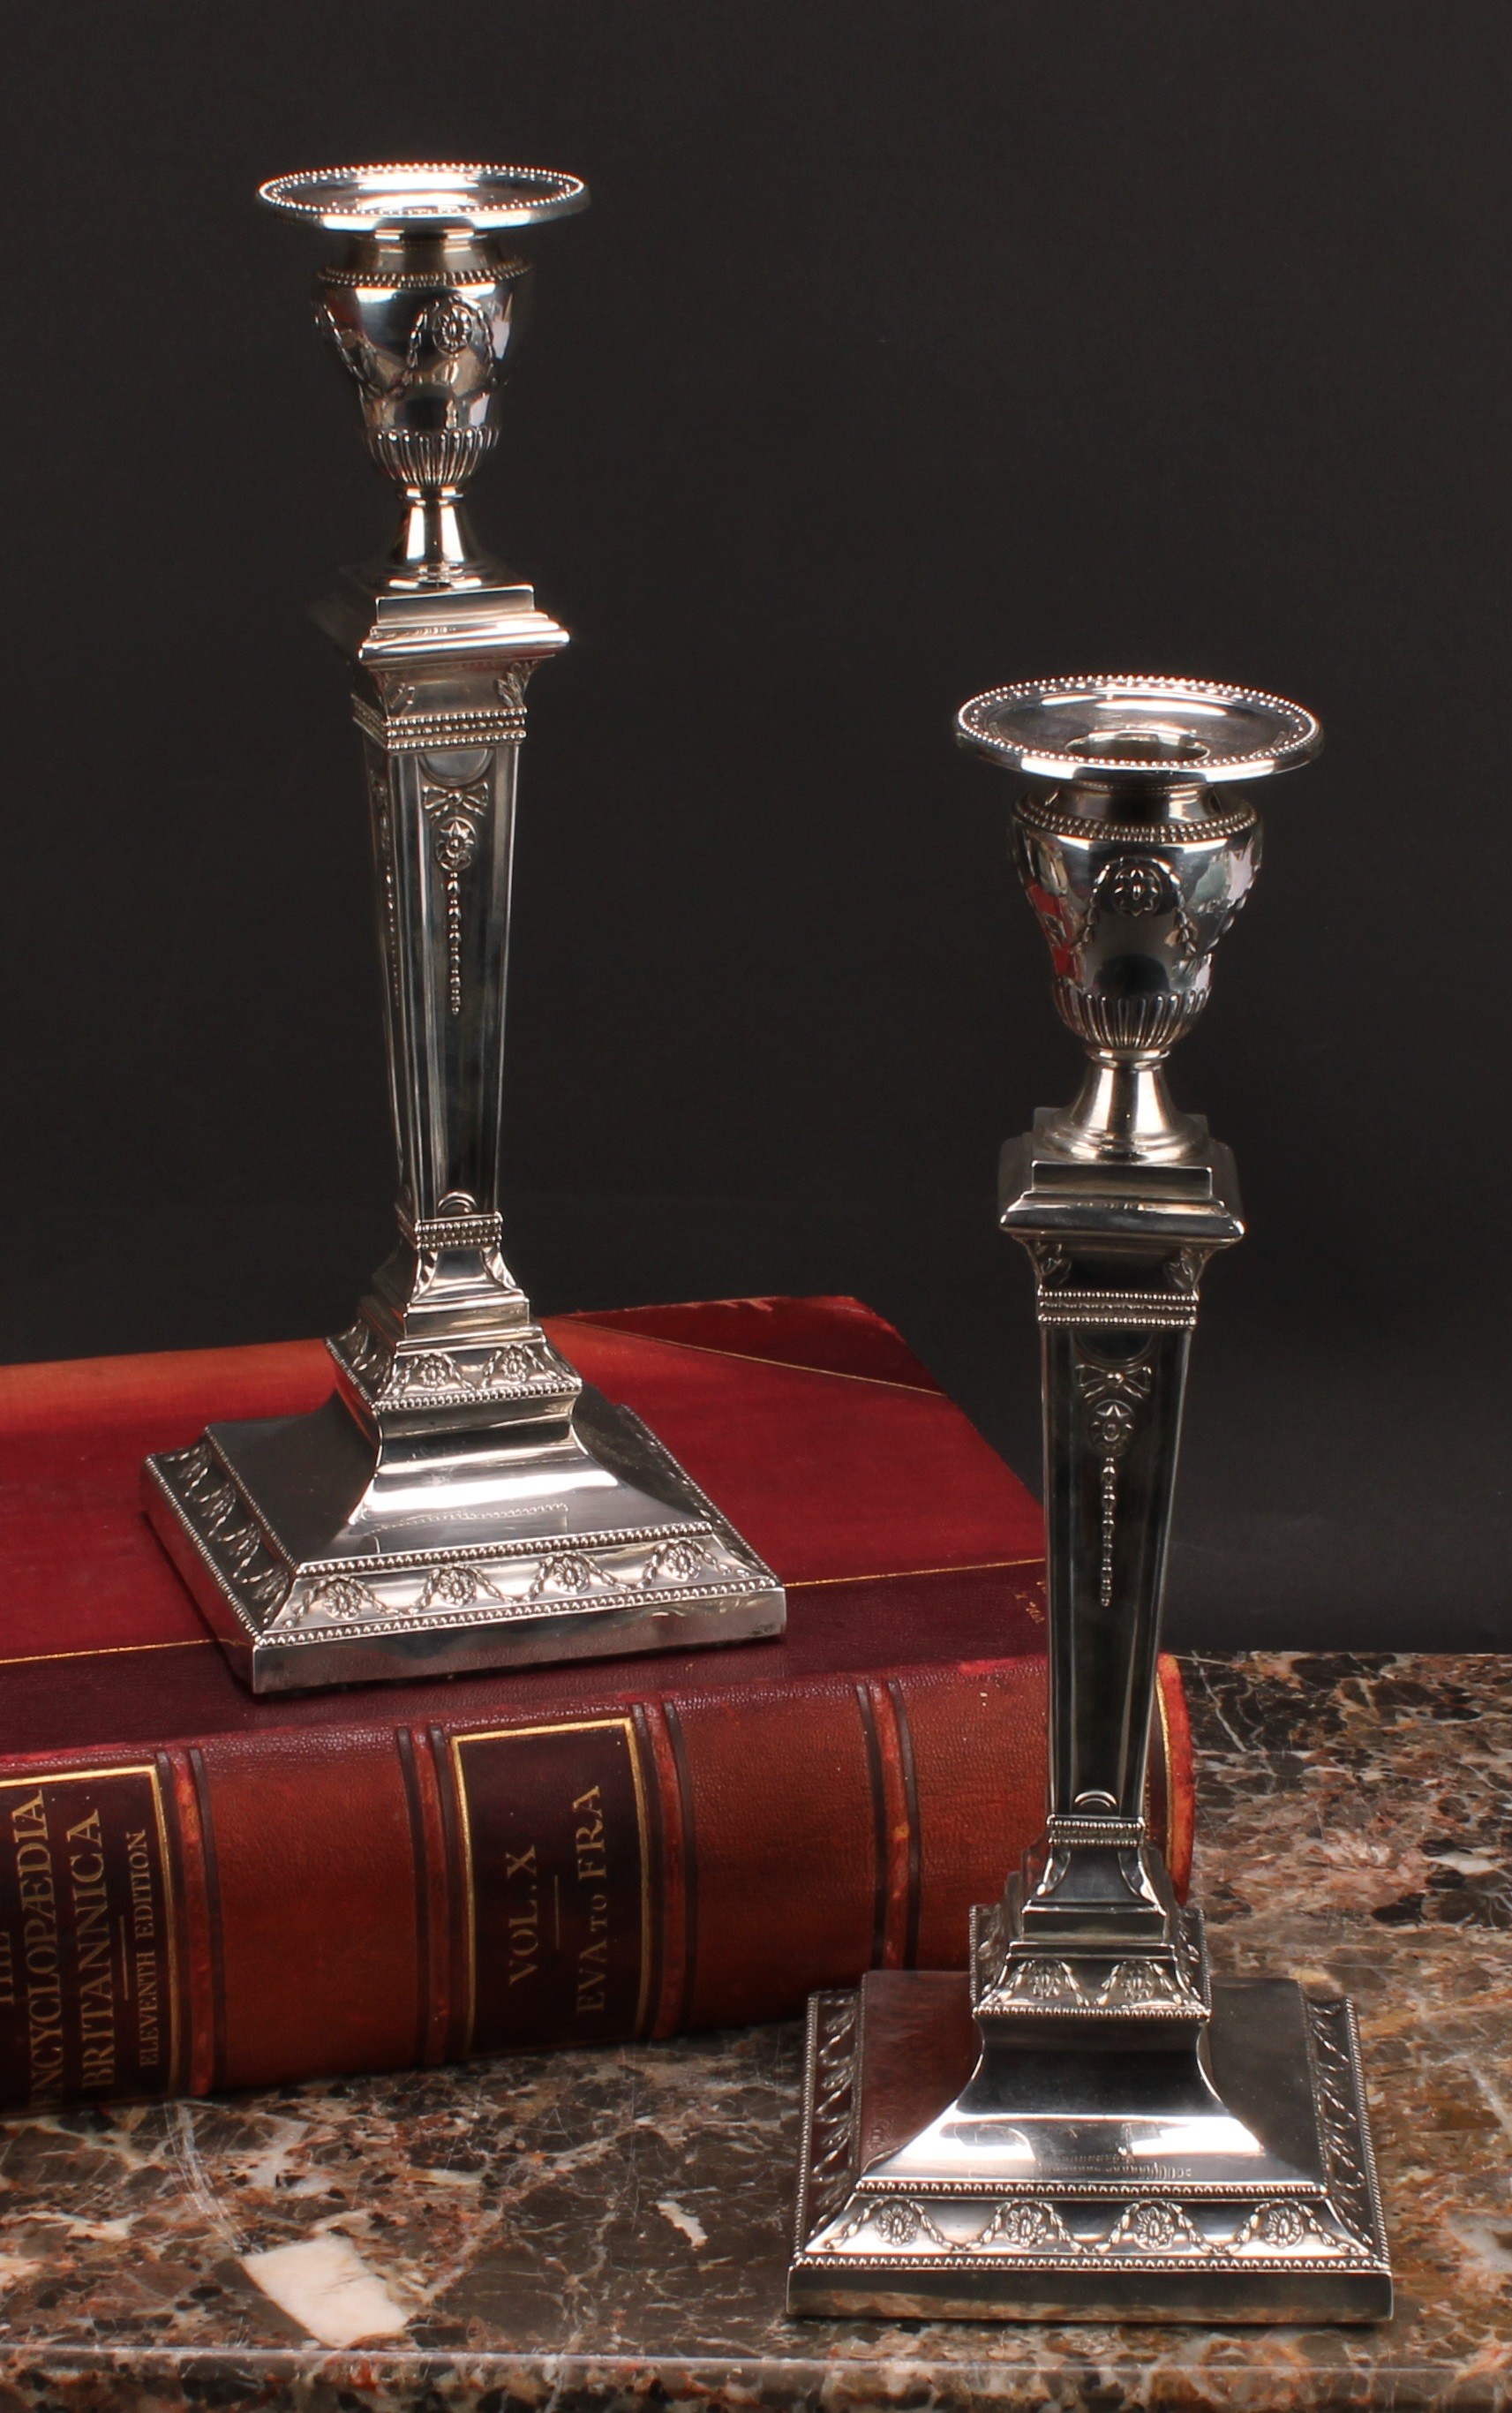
<point x="464" y="1501"/>
<point x="1089" y="2125"/>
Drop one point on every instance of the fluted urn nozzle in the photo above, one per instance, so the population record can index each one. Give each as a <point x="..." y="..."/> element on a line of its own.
<point x="424" y="312"/>
<point x="1135" y="867"/>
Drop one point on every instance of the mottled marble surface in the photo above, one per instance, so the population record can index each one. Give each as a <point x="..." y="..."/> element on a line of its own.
<point x="589" y="2230"/>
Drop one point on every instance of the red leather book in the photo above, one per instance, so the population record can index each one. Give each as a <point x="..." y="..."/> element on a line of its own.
<point x="200" y="1889"/>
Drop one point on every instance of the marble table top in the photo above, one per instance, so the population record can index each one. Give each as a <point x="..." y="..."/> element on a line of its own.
<point x="576" y="2231"/>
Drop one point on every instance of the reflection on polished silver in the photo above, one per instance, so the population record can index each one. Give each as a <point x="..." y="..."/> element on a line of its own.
<point x="1132" y="911"/>
<point x="1091" y="2127"/>
<point x="463" y="1500"/>
<point x="424" y="313"/>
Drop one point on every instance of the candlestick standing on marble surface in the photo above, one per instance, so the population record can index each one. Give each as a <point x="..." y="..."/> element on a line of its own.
<point x="464" y="1501"/>
<point x="1090" y="2125"/>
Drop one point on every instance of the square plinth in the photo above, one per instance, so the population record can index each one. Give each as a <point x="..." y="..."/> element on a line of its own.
<point x="1085" y="2210"/>
<point x="589" y="1546"/>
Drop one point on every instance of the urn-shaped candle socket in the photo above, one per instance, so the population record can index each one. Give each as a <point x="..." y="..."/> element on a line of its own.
<point x="1135" y="866"/>
<point x="424" y="311"/>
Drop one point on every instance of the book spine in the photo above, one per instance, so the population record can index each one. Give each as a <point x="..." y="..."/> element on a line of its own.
<point x="260" y="1908"/>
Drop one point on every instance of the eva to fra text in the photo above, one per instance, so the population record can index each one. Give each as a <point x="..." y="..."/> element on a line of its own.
<point x="589" y="1912"/>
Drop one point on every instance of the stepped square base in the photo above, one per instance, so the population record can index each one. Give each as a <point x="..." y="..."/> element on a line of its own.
<point x="481" y="1552"/>
<point x="925" y="2193"/>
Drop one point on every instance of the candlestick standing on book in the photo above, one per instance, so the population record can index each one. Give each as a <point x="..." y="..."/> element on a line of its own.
<point x="451" y="1897"/>
<point x="464" y="1501"/>
<point x="1091" y="2126"/>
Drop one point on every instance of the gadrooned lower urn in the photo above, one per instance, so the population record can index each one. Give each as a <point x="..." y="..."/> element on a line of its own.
<point x="425" y="313"/>
<point x="1135" y="867"/>
<point x="426" y="330"/>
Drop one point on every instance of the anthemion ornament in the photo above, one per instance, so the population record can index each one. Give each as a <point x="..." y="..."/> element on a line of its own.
<point x="464" y="1501"/>
<point x="1089" y="2125"/>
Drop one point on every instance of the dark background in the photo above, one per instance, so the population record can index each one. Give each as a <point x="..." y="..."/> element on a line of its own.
<point x="906" y="348"/>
